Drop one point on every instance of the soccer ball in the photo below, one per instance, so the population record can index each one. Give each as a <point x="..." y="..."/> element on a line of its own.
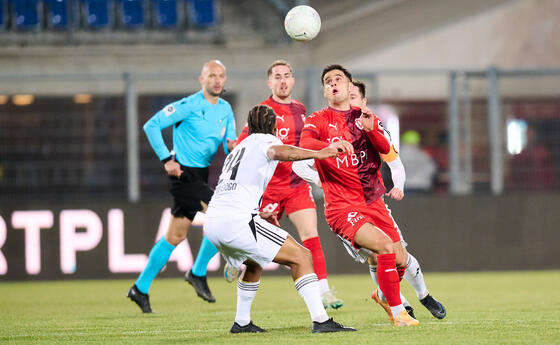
<point x="302" y="23"/>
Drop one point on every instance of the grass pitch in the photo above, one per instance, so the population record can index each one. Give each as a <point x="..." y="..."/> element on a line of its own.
<point x="482" y="308"/>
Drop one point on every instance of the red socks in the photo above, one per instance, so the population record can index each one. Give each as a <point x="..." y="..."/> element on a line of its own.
<point x="388" y="278"/>
<point x="319" y="266"/>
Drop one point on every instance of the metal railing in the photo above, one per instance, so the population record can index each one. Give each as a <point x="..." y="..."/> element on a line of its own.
<point x="455" y="94"/>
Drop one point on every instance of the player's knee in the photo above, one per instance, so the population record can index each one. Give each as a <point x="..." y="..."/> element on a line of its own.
<point x="304" y="257"/>
<point x="306" y="234"/>
<point x="385" y="248"/>
<point x="252" y="272"/>
<point x="175" y="237"/>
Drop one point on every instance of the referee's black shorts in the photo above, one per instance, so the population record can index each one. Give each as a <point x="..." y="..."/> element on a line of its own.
<point x="189" y="191"/>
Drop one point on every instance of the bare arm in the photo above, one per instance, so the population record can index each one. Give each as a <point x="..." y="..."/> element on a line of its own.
<point x="292" y="153"/>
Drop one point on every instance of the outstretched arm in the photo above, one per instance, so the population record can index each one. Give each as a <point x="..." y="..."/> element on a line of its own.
<point x="292" y="153"/>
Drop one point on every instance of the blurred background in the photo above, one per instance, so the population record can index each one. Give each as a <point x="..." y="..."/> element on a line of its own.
<point x="470" y="91"/>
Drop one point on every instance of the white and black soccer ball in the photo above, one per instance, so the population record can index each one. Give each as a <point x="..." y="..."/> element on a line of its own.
<point x="302" y="23"/>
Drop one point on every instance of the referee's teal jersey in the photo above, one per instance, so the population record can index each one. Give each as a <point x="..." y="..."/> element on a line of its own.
<point x="198" y="128"/>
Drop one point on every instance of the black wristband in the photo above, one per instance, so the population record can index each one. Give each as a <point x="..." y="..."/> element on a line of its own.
<point x="165" y="160"/>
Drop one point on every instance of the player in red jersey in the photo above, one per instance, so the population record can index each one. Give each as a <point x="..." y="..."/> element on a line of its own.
<point x="286" y="191"/>
<point x="413" y="273"/>
<point x="352" y="182"/>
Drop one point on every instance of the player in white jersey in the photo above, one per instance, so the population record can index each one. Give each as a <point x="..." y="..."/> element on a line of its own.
<point x="234" y="226"/>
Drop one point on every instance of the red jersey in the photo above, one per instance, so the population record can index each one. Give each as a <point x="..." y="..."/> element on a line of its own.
<point x="347" y="180"/>
<point x="289" y="120"/>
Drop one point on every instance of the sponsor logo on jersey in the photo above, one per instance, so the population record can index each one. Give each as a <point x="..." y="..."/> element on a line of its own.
<point x="270" y="207"/>
<point x="352" y="160"/>
<point x="353" y="218"/>
<point x="333" y="126"/>
<point x="334" y="139"/>
<point x="278" y="117"/>
<point x="283" y="133"/>
<point x="170" y="109"/>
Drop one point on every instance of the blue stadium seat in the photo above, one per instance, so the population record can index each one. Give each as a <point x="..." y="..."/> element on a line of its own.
<point x="202" y="13"/>
<point x="165" y="12"/>
<point x="131" y="13"/>
<point x="2" y="14"/>
<point x="59" y="14"/>
<point x="97" y="13"/>
<point x="25" y="14"/>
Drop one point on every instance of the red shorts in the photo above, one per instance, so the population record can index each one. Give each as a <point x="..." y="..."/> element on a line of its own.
<point x="347" y="221"/>
<point x="289" y="200"/>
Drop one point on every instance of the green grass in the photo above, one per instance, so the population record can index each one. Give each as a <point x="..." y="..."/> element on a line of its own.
<point x="482" y="308"/>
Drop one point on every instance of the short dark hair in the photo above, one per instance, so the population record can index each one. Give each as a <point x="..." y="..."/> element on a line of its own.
<point x="361" y="86"/>
<point x="278" y="62"/>
<point x="332" y="68"/>
<point x="261" y="119"/>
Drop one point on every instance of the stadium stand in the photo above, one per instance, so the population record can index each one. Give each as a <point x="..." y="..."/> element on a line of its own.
<point x="97" y="13"/>
<point x="2" y="15"/>
<point x="48" y="21"/>
<point x="131" y="14"/>
<point x="59" y="14"/>
<point x="26" y="14"/>
<point x="165" y="13"/>
<point x="202" y="13"/>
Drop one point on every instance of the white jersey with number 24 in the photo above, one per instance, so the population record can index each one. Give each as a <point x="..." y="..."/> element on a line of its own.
<point x="245" y="175"/>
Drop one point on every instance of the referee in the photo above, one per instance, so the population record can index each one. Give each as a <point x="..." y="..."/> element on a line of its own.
<point x="200" y="123"/>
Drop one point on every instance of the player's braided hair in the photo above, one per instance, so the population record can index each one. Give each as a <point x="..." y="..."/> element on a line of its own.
<point x="262" y="119"/>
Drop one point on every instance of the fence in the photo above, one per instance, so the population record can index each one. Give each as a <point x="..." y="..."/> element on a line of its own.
<point x="77" y="136"/>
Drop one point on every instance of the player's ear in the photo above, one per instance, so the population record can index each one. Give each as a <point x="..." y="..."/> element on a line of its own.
<point x="268" y="83"/>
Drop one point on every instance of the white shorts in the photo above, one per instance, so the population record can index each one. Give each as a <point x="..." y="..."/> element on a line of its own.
<point x="251" y="238"/>
<point x="361" y="255"/>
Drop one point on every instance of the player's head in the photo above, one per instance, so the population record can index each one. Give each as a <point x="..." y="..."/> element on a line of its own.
<point x="336" y="84"/>
<point x="358" y="94"/>
<point x="280" y="79"/>
<point x="262" y="119"/>
<point x="213" y="77"/>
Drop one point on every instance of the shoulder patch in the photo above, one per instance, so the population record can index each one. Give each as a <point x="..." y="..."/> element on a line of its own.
<point x="168" y="110"/>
